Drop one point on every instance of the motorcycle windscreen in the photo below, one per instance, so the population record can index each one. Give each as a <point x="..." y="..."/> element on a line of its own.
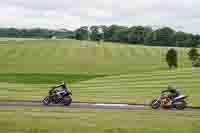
<point x="180" y="97"/>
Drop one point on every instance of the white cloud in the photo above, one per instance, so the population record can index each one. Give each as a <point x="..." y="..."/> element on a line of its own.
<point x="74" y="13"/>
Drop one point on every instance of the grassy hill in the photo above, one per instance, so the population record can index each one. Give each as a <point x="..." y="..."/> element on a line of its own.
<point x="70" y="56"/>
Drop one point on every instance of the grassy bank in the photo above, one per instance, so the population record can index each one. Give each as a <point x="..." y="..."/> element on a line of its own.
<point x="51" y="120"/>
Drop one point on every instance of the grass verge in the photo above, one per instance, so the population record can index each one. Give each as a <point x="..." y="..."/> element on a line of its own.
<point x="51" y="120"/>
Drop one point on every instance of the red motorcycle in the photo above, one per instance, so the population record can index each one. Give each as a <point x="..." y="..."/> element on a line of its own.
<point x="165" y="102"/>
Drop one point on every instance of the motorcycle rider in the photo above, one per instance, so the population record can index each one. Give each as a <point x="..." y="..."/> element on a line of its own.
<point x="173" y="92"/>
<point x="59" y="88"/>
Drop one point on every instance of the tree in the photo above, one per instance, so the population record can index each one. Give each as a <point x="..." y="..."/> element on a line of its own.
<point x="188" y="42"/>
<point x="196" y="63"/>
<point x="164" y="37"/>
<point x="180" y="38"/>
<point x="110" y="31"/>
<point x="147" y="35"/>
<point x="121" y="35"/>
<point x="193" y="54"/>
<point x="94" y="33"/>
<point x="82" y="33"/>
<point x="171" y="58"/>
<point x="115" y="33"/>
<point x="97" y="33"/>
<point x="136" y="35"/>
<point x="196" y="40"/>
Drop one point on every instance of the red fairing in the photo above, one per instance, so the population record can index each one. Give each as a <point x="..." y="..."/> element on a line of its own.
<point x="163" y="97"/>
<point x="163" y="100"/>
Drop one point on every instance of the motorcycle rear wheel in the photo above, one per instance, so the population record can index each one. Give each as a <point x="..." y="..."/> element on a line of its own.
<point x="181" y="106"/>
<point x="67" y="101"/>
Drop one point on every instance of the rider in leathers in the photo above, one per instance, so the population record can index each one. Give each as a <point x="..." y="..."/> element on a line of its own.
<point x="173" y="92"/>
<point x="60" y="87"/>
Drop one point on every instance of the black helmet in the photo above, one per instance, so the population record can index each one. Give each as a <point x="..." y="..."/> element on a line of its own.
<point x="172" y="87"/>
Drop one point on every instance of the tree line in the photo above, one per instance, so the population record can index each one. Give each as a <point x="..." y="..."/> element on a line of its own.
<point x="144" y="35"/>
<point x="165" y="36"/>
<point x="35" y="33"/>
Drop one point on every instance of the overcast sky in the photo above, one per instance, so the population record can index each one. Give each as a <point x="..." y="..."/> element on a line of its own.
<point x="180" y="14"/>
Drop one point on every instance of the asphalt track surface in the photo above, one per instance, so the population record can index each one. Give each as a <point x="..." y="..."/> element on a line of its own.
<point x="85" y="106"/>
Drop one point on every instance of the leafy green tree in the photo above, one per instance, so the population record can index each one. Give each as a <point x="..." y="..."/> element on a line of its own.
<point x="188" y="42"/>
<point x="110" y="31"/>
<point x="115" y="33"/>
<point x="171" y="58"/>
<point x="94" y="33"/>
<point x="121" y="35"/>
<point x="136" y="35"/>
<point x="180" y="39"/>
<point x="195" y="40"/>
<point x="196" y="63"/>
<point x="82" y="33"/>
<point x="164" y="37"/>
<point x="193" y="54"/>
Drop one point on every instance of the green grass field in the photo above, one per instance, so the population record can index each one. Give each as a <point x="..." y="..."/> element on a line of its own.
<point x="41" y="78"/>
<point x="109" y="73"/>
<point x="51" y="120"/>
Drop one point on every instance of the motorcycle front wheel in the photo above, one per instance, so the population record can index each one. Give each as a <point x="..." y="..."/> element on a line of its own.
<point x="46" y="101"/>
<point x="155" y="104"/>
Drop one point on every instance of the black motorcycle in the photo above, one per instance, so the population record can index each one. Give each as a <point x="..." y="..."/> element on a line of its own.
<point x="58" y="97"/>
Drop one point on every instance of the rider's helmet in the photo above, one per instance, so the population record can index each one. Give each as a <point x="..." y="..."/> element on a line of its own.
<point x="172" y="87"/>
<point x="62" y="82"/>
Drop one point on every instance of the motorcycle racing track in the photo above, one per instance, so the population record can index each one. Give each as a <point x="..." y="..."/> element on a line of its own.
<point x="86" y="106"/>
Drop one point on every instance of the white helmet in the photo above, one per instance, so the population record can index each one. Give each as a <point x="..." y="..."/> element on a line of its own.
<point x="62" y="82"/>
